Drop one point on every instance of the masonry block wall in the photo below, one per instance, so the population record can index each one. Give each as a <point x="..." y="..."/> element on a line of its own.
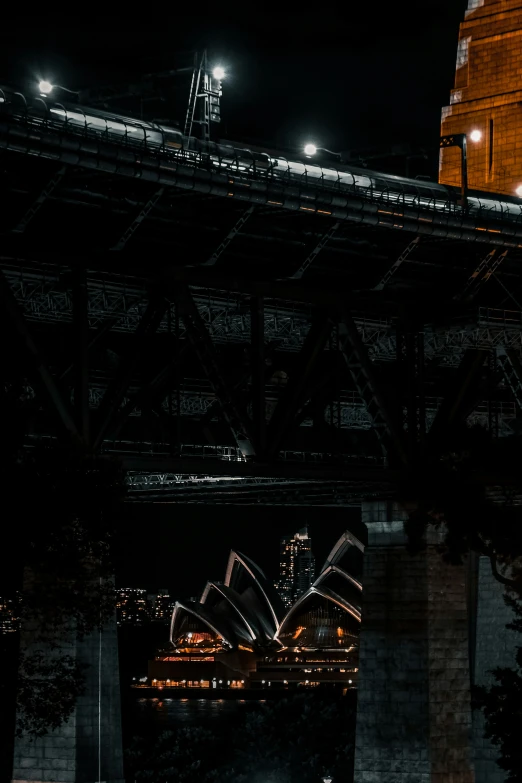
<point x="487" y="97"/>
<point x="88" y="747"/>
<point x="495" y="646"/>
<point x="414" y="713"/>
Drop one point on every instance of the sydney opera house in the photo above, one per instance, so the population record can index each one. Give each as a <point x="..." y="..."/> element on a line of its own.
<point x="240" y="635"/>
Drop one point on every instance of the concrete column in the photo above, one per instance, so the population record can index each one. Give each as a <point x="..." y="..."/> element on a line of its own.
<point x="414" y="713"/>
<point x="88" y="747"/>
<point x="495" y="647"/>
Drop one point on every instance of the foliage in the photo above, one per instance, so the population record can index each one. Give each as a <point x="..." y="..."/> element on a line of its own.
<point x="71" y="518"/>
<point x="502" y="707"/>
<point x="449" y="497"/>
<point x="63" y="532"/>
<point x="47" y="690"/>
<point x="295" y="740"/>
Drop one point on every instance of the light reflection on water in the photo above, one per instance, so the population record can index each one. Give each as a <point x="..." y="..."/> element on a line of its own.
<point x="184" y="712"/>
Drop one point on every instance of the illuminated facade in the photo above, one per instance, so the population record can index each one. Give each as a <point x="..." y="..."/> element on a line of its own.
<point x="486" y="103"/>
<point x="131" y="606"/>
<point x="9" y="614"/>
<point x="162" y="606"/>
<point x="296" y="566"/>
<point x="238" y="633"/>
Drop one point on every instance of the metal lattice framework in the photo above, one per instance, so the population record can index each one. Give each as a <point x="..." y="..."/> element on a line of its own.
<point x="213" y="311"/>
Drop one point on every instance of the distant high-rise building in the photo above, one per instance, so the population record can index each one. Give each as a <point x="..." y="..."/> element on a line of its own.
<point x="162" y="607"/>
<point x="131" y="606"/>
<point x="296" y="566"/>
<point x="10" y="614"/>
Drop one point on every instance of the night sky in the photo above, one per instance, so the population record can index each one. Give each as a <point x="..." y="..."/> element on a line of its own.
<point x="344" y="75"/>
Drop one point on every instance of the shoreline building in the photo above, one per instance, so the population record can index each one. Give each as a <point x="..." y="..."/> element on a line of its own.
<point x="296" y="566"/>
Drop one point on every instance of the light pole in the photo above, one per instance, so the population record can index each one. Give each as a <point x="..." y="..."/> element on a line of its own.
<point x="205" y="94"/>
<point x="461" y="140"/>
<point x="310" y="150"/>
<point x="46" y="88"/>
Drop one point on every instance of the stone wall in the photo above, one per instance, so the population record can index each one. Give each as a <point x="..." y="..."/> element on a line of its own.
<point x="495" y="646"/>
<point x="413" y="714"/>
<point x="88" y="747"/>
<point x="487" y="97"/>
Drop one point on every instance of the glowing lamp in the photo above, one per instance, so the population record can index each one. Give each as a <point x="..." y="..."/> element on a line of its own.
<point x="218" y="72"/>
<point x="475" y="135"/>
<point x="310" y="149"/>
<point x="45" y="87"/>
<point x="518" y="191"/>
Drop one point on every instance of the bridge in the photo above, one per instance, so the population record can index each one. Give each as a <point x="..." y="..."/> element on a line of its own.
<point x="238" y="326"/>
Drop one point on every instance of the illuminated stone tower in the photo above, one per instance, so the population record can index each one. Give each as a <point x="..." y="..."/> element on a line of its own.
<point x="487" y="98"/>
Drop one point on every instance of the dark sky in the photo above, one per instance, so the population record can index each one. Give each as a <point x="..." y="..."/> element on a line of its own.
<point x="180" y="547"/>
<point x="345" y="75"/>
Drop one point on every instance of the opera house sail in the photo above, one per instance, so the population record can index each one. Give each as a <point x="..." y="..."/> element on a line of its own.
<point x="239" y="633"/>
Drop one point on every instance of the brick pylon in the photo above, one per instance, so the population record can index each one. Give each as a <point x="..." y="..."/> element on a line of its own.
<point x="487" y="98"/>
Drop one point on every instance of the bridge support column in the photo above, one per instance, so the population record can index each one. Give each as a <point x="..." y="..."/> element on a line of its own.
<point x="88" y="747"/>
<point x="414" y="712"/>
<point x="495" y="646"/>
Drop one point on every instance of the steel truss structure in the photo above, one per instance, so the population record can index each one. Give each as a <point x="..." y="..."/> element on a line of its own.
<point x="300" y="348"/>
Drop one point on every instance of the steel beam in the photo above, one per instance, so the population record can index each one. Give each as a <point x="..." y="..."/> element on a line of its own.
<point x="463" y="396"/>
<point x="410" y="375"/>
<point x="297" y="390"/>
<point x="34" y="208"/>
<point x="201" y="341"/>
<point x="257" y="330"/>
<point x="309" y="260"/>
<point x="116" y="391"/>
<point x="59" y="405"/>
<point x="363" y="374"/>
<point x="512" y="369"/>
<point x="482" y="274"/>
<point x="140" y="217"/>
<point x="81" y="353"/>
<point x="395" y="266"/>
<point x="234" y="231"/>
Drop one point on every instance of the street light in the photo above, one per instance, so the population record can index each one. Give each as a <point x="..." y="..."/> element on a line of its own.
<point x="47" y="87"/>
<point x="461" y="140"/>
<point x="218" y="72"/>
<point x="311" y="149"/>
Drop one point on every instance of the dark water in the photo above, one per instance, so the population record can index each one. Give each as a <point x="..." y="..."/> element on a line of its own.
<point x="173" y="713"/>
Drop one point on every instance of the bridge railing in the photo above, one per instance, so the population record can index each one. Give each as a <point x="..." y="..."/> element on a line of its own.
<point x="397" y="198"/>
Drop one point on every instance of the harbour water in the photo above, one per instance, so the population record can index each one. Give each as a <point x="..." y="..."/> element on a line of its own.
<point x="173" y="713"/>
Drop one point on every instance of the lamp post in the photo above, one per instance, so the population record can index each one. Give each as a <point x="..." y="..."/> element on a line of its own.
<point x="310" y="150"/>
<point x="46" y="88"/>
<point x="461" y="140"/>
